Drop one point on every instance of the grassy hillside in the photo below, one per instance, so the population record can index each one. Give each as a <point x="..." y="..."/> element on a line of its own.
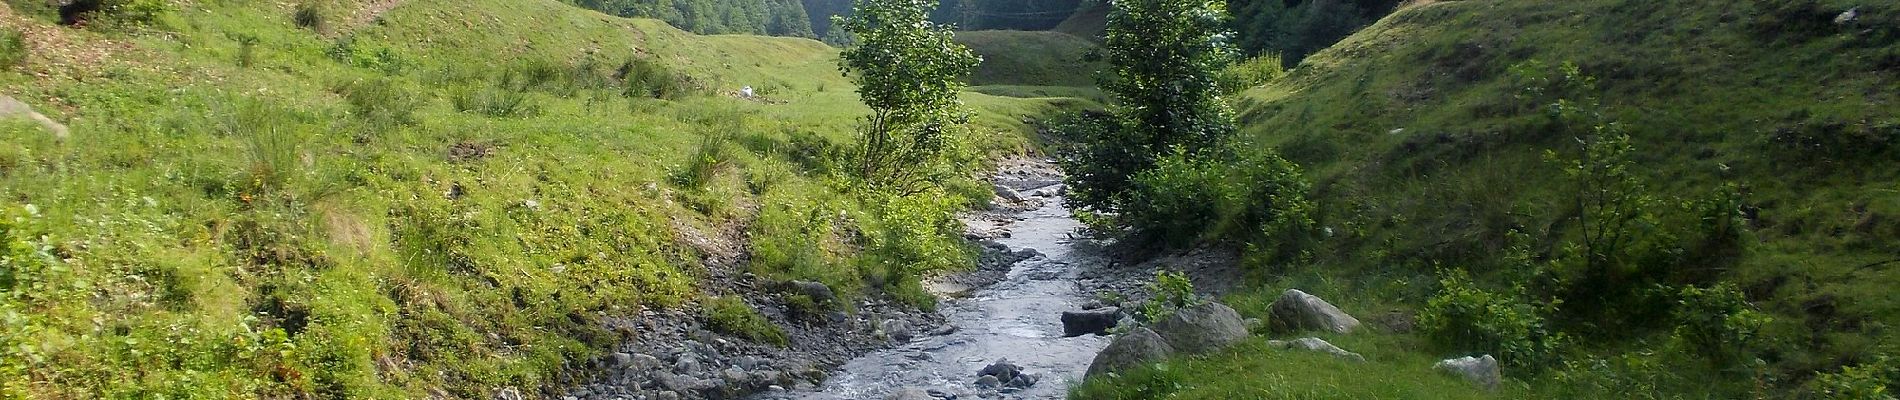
<point x="1428" y="153"/>
<point x="1033" y="64"/>
<point x="405" y="200"/>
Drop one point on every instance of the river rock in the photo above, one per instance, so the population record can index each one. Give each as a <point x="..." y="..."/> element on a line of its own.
<point x="1002" y="370"/>
<point x="1097" y="321"/>
<point x="1315" y="344"/>
<point x="1203" y="328"/>
<point x="1483" y="371"/>
<point x="1297" y="311"/>
<point x="1007" y="193"/>
<point x="909" y="393"/>
<point x="988" y="382"/>
<point x="817" y="291"/>
<point x="1137" y="347"/>
<point x="898" y="330"/>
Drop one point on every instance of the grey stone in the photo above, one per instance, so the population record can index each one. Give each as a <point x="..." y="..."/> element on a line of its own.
<point x="667" y="395"/>
<point x="898" y="330"/>
<point x="1847" y="17"/>
<point x="509" y="394"/>
<point x="1138" y="347"/>
<point x="1007" y="193"/>
<point x="1022" y="381"/>
<point x="1002" y="370"/>
<point x="11" y="108"/>
<point x="1202" y="328"/>
<point x="1097" y="321"/>
<point x="622" y="359"/>
<point x="988" y="381"/>
<point x="1483" y="371"/>
<point x="909" y="393"/>
<point x="673" y="382"/>
<point x="1297" y="311"/>
<point x="817" y="291"/>
<point x="1315" y="344"/>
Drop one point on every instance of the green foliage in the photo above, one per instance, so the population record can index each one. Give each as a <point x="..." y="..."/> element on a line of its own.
<point x="1260" y="198"/>
<point x="247" y="49"/>
<point x="1251" y="73"/>
<point x="12" y="48"/>
<point x="910" y="73"/>
<point x="383" y="59"/>
<point x="1164" y="59"/>
<point x="310" y="15"/>
<point x="1299" y="28"/>
<point x="1171" y="291"/>
<point x="731" y="315"/>
<point x="1868" y="381"/>
<point x="1467" y="317"/>
<point x="770" y="17"/>
<point x="648" y="78"/>
<point x="1716" y="322"/>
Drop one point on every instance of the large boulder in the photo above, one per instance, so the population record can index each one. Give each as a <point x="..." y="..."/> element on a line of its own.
<point x="1297" y="311"/>
<point x="1202" y="328"/>
<point x="1096" y="321"/>
<point x="1139" y="347"/>
<point x="1315" y="344"/>
<point x="817" y="291"/>
<point x="1483" y="371"/>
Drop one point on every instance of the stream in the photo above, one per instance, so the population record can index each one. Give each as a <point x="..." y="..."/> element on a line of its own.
<point x="1017" y="319"/>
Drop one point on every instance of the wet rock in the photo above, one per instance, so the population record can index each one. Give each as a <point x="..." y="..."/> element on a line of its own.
<point x="1483" y="371"/>
<point x="622" y="359"/>
<point x="1297" y="311"/>
<point x="673" y="382"/>
<point x="667" y="395"/>
<point x="1002" y="370"/>
<point x="1006" y="193"/>
<point x="1315" y="344"/>
<point x="910" y="393"/>
<point x="1202" y="328"/>
<point x="817" y="291"/>
<point x="1022" y="381"/>
<point x="1097" y="321"/>
<point x="988" y="382"/>
<point x="898" y="330"/>
<point x="509" y="394"/>
<point x="1135" y="348"/>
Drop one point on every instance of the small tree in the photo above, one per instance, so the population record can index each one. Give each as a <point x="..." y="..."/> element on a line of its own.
<point x="1165" y="58"/>
<point x="910" y="72"/>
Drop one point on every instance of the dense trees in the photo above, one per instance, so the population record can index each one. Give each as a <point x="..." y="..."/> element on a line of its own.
<point x="1298" y="28"/>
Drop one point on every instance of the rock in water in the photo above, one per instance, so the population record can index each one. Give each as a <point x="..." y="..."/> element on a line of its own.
<point x="1097" y="321"/>
<point x="1002" y="370"/>
<point x="1297" y="311"/>
<point x="910" y="393"/>
<point x="1316" y="344"/>
<point x="1202" y="328"/>
<point x="1483" y="371"/>
<point x="1007" y="193"/>
<point x="898" y="330"/>
<point x="1135" y="348"/>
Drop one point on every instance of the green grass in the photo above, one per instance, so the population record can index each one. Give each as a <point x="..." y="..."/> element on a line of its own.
<point x="1251" y="370"/>
<point x="1031" y="58"/>
<point x="247" y="208"/>
<point x="1424" y="156"/>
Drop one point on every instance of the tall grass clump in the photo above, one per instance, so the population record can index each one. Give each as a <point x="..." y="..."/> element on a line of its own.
<point x="494" y="102"/>
<point x="309" y="15"/>
<point x="12" y="48"/>
<point x="383" y="103"/>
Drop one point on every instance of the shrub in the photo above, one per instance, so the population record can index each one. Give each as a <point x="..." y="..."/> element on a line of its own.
<point x="247" y="49"/>
<point x="12" y="48"/>
<point x="1257" y="197"/>
<point x="309" y="15"/>
<point x="1717" y="322"/>
<point x="1171" y="291"/>
<point x="1869" y="381"/>
<point x="732" y="316"/>
<point x="1253" y="72"/>
<point x="1469" y="318"/>
<point x="649" y="79"/>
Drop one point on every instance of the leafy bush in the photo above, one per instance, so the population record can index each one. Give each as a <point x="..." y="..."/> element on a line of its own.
<point x="1469" y="318"/>
<point x="1171" y="291"/>
<point x="731" y="315"/>
<point x="1717" y="322"/>
<point x="645" y="78"/>
<point x="1869" y="381"/>
<point x="1253" y="72"/>
<point x="1258" y="197"/>
<point x="12" y="48"/>
<point x="309" y="15"/>
<point x="247" y="49"/>
<point x="381" y="59"/>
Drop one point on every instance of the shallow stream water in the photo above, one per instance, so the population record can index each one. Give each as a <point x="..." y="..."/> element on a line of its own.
<point x="1016" y="319"/>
